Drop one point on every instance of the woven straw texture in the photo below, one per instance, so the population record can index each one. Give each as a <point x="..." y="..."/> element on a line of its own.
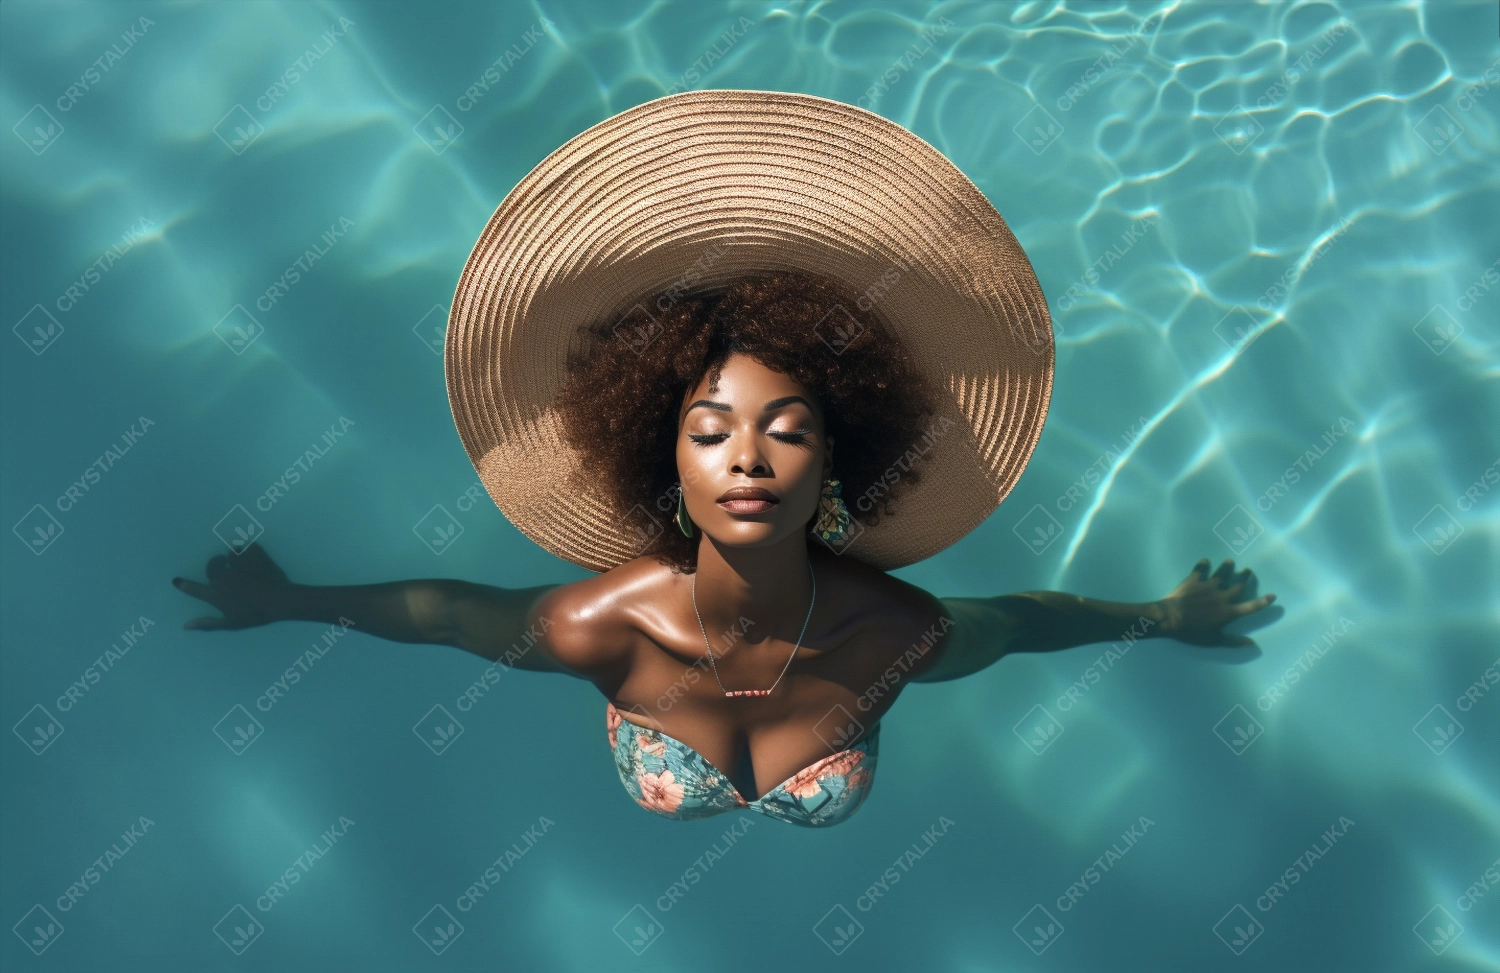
<point x="696" y="189"/>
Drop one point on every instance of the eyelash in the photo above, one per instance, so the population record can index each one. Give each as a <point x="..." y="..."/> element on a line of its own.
<point x="713" y="439"/>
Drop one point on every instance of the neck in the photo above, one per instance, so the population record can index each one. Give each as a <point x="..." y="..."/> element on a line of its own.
<point x="770" y="588"/>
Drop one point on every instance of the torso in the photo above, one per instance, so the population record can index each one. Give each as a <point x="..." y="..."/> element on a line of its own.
<point x="855" y="659"/>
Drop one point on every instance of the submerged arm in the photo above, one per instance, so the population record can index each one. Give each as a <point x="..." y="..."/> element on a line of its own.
<point x="496" y="623"/>
<point x="1045" y="621"/>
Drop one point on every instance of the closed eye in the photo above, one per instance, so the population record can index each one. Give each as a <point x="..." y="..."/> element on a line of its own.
<point x="798" y="438"/>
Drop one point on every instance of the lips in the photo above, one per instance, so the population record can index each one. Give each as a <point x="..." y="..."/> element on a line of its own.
<point x="748" y="500"/>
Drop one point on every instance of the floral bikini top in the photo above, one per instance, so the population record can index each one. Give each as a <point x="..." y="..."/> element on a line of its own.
<point x="667" y="776"/>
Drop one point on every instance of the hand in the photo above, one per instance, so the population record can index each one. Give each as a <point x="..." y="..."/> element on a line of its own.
<point x="247" y="588"/>
<point x="1197" y="610"/>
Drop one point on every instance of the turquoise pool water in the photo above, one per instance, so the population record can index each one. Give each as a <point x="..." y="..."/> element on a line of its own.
<point x="1269" y="238"/>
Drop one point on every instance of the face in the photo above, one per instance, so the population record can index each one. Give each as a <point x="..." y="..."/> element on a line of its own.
<point x="752" y="455"/>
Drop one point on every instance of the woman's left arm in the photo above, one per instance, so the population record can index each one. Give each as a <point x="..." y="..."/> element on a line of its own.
<point x="984" y="629"/>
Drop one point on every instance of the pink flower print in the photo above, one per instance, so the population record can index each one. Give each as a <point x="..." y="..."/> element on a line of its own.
<point x="612" y="721"/>
<point x="660" y="792"/>
<point x="656" y="749"/>
<point x="805" y="783"/>
<point x="858" y="779"/>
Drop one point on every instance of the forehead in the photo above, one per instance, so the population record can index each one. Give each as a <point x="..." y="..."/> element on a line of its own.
<point x="743" y="376"/>
<point x="747" y="384"/>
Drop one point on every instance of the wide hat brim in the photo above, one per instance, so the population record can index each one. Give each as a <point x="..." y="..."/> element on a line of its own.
<point x="692" y="190"/>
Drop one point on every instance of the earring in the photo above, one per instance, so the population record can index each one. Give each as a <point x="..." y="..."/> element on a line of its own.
<point x="833" y="516"/>
<point x="683" y="523"/>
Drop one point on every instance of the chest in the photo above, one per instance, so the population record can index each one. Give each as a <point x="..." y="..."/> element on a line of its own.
<point x="825" y="702"/>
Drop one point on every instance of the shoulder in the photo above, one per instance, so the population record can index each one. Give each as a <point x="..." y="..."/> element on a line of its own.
<point x="894" y="621"/>
<point x="591" y="626"/>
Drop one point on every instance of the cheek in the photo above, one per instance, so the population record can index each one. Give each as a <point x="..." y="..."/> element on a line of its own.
<point x="809" y="475"/>
<point x="690" y="466"/>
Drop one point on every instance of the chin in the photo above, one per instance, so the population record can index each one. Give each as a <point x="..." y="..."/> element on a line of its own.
<point x="749" y="534"/>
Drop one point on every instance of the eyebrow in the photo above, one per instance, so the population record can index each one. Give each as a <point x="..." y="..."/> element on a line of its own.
<point x="769" y="406"/>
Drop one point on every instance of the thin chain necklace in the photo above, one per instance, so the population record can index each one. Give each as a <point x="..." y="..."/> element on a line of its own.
<point x="756" y="692"/>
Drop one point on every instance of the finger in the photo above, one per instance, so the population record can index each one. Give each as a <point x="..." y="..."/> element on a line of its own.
<point x="1226" y="570"/>
<point x="256" y="561"/>
<point x="205" y="623"/>
<point x="1255" y="605"/>
<point x="218" y="568"/>
<point x="255" y="554"/>
<point x="1238" y="641"/>
<point x="200" y="591"/>
<point x="1201" y="569"/>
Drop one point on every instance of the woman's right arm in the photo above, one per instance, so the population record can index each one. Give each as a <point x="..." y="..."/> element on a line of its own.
<point x="500" y="624"/>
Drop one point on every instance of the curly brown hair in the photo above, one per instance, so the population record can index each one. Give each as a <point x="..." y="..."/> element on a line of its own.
<point x="619" y="403"/>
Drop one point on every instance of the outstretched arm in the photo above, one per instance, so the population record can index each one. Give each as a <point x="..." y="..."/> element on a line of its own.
<point x="1045" y="621"/>
<point x="495" y="623"/>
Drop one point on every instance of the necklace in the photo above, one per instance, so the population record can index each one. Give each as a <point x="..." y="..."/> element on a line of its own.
<point x="756" y="692"/>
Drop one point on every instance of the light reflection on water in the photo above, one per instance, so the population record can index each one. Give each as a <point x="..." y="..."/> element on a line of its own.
<point x="1327" y="256"/>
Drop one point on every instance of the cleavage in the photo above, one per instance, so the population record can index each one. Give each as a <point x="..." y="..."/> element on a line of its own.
<point x="742" y="782"/>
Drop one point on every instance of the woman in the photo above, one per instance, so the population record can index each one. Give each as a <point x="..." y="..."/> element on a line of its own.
<point x="748" y="648"/>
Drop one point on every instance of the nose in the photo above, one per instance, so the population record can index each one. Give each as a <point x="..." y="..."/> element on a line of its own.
<point x="746" y="458"/>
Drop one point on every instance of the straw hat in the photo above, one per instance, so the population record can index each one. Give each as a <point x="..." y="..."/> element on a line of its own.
<point x="692" y="190"/>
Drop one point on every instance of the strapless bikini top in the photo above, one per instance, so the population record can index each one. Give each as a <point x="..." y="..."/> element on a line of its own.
<point x="667" y="776"/>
